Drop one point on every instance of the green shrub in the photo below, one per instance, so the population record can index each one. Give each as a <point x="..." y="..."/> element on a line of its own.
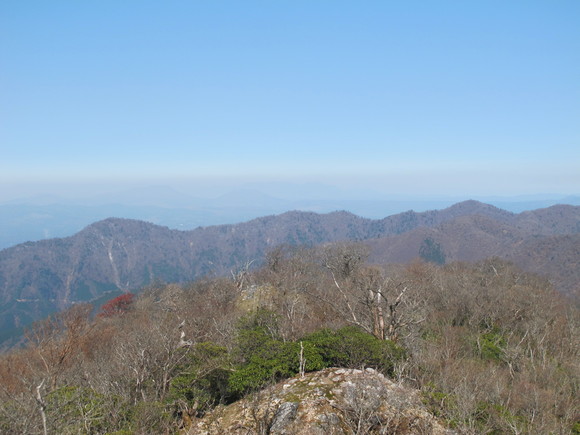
<point x="262" y="357"/>
<point x="491" y="345"/>
<point x="253" y="331"/>
<point x="353" y="348"/>
<point x="273" y="361"/>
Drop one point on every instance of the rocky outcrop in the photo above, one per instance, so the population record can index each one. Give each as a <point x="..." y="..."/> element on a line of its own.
<point x="332" y="401"/>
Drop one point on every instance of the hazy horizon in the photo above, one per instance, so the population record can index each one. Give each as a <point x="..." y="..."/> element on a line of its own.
<point x="128" y="192"/>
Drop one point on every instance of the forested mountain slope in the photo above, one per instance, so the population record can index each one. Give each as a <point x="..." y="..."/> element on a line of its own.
<point x="315" y="341"/>
<point x="120" y="255"/>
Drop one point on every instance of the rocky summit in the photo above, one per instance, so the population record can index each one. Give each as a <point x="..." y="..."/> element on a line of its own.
<point x="331" y="401"/>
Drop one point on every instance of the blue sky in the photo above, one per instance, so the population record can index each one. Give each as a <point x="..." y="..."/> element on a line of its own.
<point x="398" y="97"/>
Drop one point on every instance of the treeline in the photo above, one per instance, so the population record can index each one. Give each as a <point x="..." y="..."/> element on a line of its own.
<point x="492" y="349"/>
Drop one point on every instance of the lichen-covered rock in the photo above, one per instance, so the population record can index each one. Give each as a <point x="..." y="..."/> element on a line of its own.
<point x="331" y="401"/>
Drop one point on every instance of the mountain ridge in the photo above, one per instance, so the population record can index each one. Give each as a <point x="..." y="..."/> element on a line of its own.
<point x="39" y="218"/>
<point x="119" y="254"/>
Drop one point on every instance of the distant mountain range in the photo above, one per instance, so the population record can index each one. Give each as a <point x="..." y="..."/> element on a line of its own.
<point x="45" y="217"/>
<point x="117" y="255"/>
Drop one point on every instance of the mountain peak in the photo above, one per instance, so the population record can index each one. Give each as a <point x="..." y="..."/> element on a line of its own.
<point x="472" y="206"/>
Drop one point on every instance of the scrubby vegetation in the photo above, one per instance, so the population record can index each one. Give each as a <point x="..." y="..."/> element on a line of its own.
<point x="493" y="350"/>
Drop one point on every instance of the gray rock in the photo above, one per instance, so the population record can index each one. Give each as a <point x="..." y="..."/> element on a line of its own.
<point x="285" y="414"/>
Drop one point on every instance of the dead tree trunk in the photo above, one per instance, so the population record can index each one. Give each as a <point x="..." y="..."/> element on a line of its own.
<point x="41" y="407"/>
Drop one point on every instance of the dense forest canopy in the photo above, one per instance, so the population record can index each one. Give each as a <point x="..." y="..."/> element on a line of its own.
<point x="491" y="348"/>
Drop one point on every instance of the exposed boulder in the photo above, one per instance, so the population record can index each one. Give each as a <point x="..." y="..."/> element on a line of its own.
<point x="332" y="401"/>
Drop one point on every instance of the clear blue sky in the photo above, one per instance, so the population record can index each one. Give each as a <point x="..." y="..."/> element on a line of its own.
<point x="437" y="97"/>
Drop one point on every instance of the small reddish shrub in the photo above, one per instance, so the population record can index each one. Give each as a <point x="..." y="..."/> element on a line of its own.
<point x="119" y="305"/>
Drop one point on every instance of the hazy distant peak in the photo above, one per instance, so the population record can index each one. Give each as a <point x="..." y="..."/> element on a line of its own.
<point x="472" y="206"/>
<point x="115" y="225"/>
<point x="113" y="222"/>
<point x="344" y="213"/>
<point x="556" y="208"/>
